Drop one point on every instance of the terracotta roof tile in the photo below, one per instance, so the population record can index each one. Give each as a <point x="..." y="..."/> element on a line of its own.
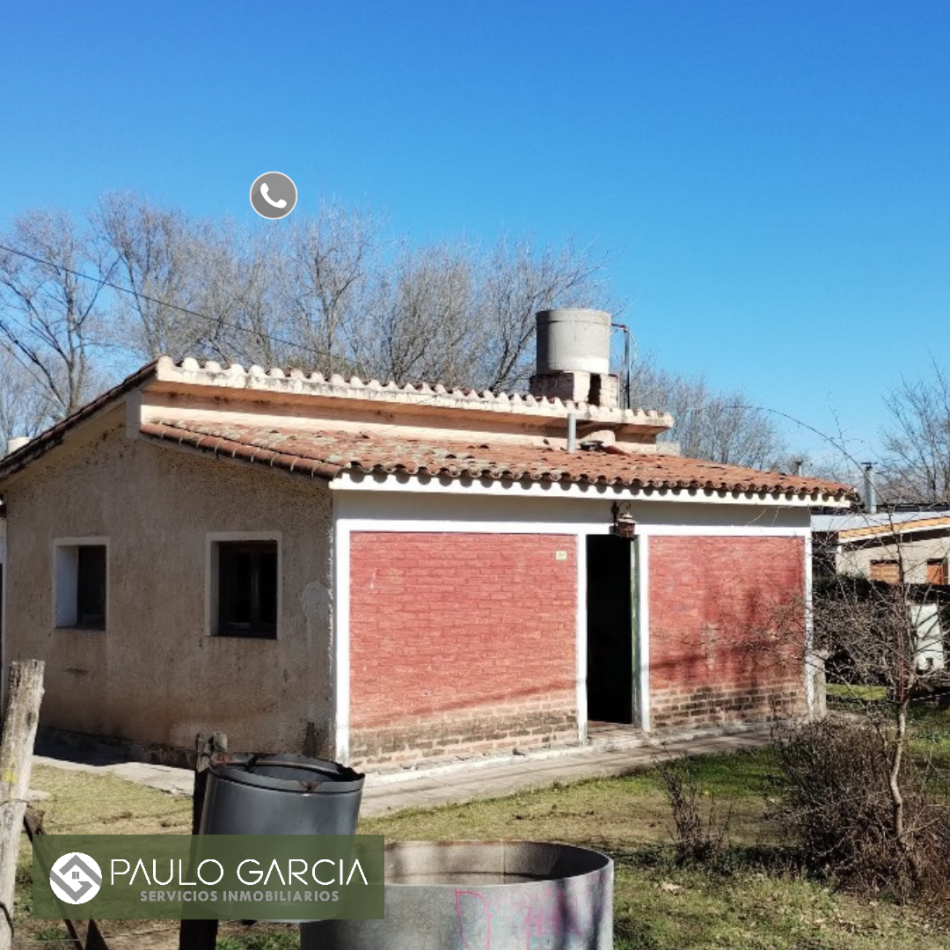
<point x="325" y="454"/>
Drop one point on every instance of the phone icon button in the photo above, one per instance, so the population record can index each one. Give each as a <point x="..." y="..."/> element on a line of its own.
<point x="273" y="195"/>
<point x="265" y="192"/>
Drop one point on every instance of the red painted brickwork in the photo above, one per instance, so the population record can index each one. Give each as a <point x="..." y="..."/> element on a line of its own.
<point x="460" y="642"/>
<point x="726" y="629"/>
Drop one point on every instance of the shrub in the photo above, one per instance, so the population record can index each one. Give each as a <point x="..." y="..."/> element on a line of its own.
<point x="837" y="804"/>
<point x="699" y="831"/>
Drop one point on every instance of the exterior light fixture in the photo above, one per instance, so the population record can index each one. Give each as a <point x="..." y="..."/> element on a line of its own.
<point x="624" y="526"/>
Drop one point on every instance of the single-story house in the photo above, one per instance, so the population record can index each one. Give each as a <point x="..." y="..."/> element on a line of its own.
<point x="908" y="547"/>
<point x="891" y="546"/>
<point x="384" y="574"/>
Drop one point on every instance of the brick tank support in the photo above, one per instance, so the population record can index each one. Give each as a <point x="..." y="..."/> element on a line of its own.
<point x="727" y="633"/>
<point x="460" y="643"/>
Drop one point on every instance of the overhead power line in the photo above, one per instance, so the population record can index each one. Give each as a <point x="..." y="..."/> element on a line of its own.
<point x="325" y="353"/>
<point x="102" y="282"/>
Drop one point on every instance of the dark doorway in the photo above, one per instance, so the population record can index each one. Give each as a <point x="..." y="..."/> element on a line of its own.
<point x="609" y="630"/>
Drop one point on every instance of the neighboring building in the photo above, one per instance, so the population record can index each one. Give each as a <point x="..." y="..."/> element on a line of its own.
<point x="896" y="547"/>
<point x="382" y="574"/>
<point x="888" y="546"/>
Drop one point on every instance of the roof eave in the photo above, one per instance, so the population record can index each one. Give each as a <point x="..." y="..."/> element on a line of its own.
<point x="399" y="479"/>
<point x="54" y="435"/>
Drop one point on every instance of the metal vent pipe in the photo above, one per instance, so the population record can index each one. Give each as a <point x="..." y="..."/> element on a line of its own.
<point x="870" y="489"/>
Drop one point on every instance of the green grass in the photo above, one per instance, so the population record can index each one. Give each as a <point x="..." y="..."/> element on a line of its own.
<point x="611" y="813"/>
<point x="267" y="940"/>
<point x="855" y="693"/>
<point x="929" y="725"/>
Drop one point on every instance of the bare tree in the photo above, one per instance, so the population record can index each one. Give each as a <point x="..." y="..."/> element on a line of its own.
<point x="455" y="313"/>
<point x="722" y="427"/>
<point x="423" y="317"/>
<point x="889" y="635"/>
<point x="236" y="290"/>
<point x="917" y="439"/>
<point x="50" y="316"/>
<point x="159" y="253"/>
<point x="325" y="267"/>
<point x="516" y="280"/>
<point x="24" y="407"/>
<point x="329" y="291"/>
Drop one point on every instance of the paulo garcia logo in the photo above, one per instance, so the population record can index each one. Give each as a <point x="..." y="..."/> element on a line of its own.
<point x="75" y="878"/>
<point x="201" y="877"/>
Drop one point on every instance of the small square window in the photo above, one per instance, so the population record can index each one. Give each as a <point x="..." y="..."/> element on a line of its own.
<point x="246" y="589"/>
<point x="887" y="572"/>
<point x="81" y="586"/>
<point x="937" y="571"/>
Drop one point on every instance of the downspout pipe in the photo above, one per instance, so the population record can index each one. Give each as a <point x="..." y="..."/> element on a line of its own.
<point x="571" y="431"/>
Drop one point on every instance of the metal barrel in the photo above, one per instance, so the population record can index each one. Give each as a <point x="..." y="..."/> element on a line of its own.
<point x="496" y="895"/>
<point x="280" y="795"/>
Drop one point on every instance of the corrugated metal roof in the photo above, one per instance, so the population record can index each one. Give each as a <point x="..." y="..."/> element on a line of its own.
<point x="326" y="453"/>
<point x="861" y="524"/>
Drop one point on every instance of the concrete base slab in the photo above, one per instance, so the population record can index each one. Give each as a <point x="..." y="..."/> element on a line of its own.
<point x="488" y="777"/>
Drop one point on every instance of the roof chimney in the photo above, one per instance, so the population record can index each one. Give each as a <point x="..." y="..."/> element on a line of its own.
<point x="573" y="357"/>
<point x="16" y="443"/>
<point x="870" y="490"/>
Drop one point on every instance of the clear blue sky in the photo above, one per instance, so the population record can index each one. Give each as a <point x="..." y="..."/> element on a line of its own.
<point x="772" y="179"/>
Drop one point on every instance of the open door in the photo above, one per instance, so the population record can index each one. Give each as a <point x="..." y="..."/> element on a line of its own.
<point x="610" y="630"/>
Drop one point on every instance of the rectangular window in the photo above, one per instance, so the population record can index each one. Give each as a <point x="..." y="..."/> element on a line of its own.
<point x="246" y="589"/>
<point x="81" y="585"/>
<point x="888" y="572"/>
<point x="937" y="571"/>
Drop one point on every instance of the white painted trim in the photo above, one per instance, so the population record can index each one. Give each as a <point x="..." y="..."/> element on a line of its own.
<point x="581" y="618"/>
<point x="810" y="697"/>
<point x="133" y="414"/>
<point x="475" y="527"/>
<point x="340" y="639"/>
<point x="642" y="631"/>
<point x="65" y="586"/>
<point x="726" y="531"/>
<point x="212" y="538"/>
<point x="568" y="527"/>
<point x="400" y="482"/>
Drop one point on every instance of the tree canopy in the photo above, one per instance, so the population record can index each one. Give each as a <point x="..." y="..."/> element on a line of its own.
<point x="83" y="301"/>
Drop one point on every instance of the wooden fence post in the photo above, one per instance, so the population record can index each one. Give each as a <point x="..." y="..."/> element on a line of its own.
<point x="201" y="934"/>
<point x="16" y="752"/>
<point x="33" y="823"/>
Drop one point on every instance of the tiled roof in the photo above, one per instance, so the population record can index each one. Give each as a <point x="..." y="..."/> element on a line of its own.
<point x="294" y="382"/>
<point x="325" y="454"/>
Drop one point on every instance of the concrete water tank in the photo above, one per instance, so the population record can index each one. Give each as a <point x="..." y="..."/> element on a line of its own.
<point x="493" y="895"/>
<point x="573" y="340"/>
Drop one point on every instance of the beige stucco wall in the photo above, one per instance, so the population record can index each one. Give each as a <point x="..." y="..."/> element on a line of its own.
<point x="155" y="675"/>
<point x="913" y="554"/>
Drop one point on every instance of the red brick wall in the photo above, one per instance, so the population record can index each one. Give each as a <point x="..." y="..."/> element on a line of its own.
<point x="726" y="628"/>
<point x="460" y="643"/>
